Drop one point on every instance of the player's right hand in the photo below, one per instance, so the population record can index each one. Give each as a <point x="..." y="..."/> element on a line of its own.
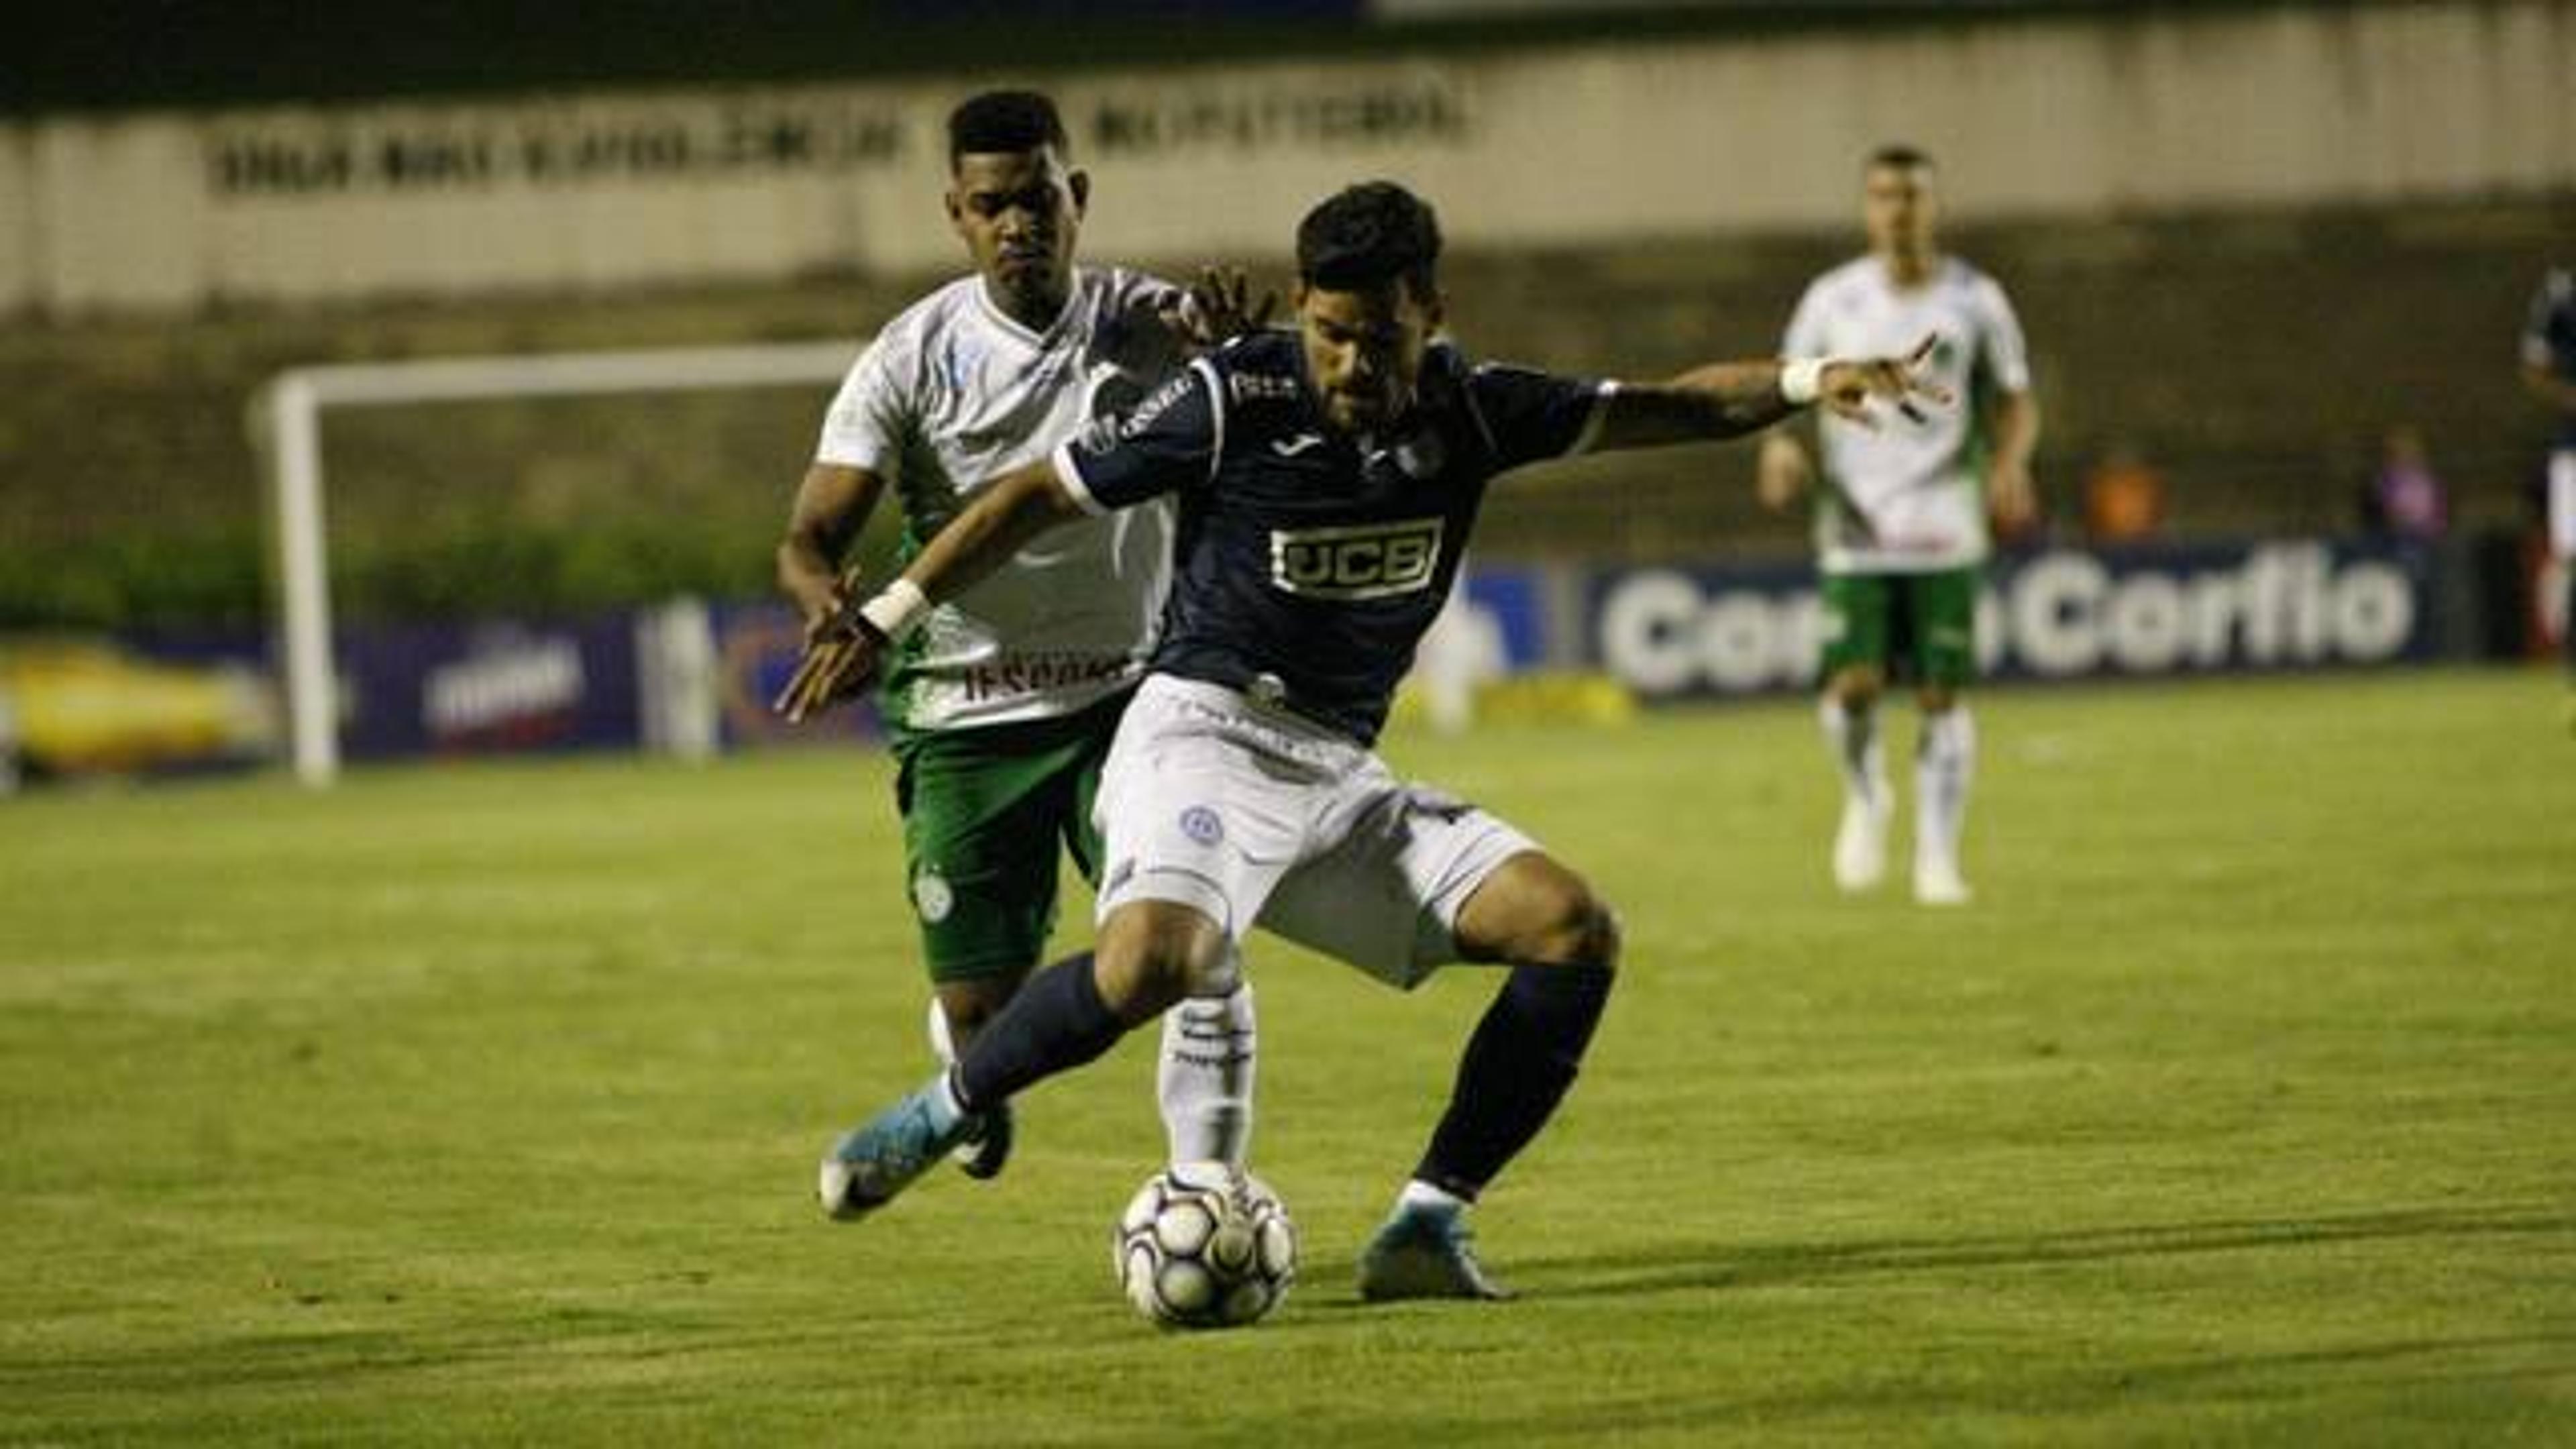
<point x="1217" y="308"/>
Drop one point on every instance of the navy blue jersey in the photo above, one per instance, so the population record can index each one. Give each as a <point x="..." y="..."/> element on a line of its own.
<point x="2549" y="338"/>
<point x="1308" y="563"/>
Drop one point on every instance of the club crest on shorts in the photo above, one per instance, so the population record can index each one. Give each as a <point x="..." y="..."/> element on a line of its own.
<point x="932" y="896"/>
<point x="1201" y="824"/>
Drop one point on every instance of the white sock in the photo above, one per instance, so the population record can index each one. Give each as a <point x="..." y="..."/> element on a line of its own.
<point x="1944" y="764"/>
<point x="1424" y="1200"/>
<point x="1205" y="1079"/>
<point x="1852" y="736"/>
<point x="945" y="1109"/>
<point x="943" y="1044"/>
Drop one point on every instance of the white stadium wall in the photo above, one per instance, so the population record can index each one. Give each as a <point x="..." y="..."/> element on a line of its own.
<point x="2076" y="115"/>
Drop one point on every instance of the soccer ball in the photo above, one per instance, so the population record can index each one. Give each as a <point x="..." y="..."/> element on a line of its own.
<point x="1202" y="1245"/>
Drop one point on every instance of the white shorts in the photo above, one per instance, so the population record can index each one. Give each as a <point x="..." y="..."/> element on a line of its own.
<point x="1251" y="814"/>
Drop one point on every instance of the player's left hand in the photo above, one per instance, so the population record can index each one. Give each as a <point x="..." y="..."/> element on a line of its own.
<point x="842" y="654"/>
<point x="1217" y="307"/>
<point x="1847" y="389"/>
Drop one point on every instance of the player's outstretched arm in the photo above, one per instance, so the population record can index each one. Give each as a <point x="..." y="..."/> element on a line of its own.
<point x="843" y="654"/>
<point x="1014" y="508"/>
<point x="1730" y="399"/>
<point x="1719" y="400"/>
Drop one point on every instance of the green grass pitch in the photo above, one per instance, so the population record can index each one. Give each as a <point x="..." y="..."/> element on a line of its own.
<point x="479" y="1104"/>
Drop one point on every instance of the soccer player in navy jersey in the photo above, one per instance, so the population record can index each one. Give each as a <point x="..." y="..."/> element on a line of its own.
<point x="1326" y="480"/>
<point x="2549" y="370"/>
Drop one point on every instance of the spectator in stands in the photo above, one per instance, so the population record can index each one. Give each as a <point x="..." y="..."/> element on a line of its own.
<point x="2124" y="497"/>
<point x="2406" y="501"/>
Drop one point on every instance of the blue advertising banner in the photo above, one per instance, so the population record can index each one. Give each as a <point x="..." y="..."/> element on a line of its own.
<point x="1665" y="632"/>
<point x="1510" y="606"/>
<point x="491" y="688"/>
<point x="2060" y="614"/>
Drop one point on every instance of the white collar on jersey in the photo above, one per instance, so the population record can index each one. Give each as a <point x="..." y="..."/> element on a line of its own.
<point x="1019" y="329"/>
<point x="1933" y="276"/>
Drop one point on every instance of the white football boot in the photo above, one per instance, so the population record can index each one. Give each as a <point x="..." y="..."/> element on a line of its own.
<point x="1860" y="844"/>
<point x="1937" y="881"/>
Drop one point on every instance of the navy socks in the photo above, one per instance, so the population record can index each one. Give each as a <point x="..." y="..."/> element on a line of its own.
<point x="1518" y="1064"/>
<point x="1055" y="1023"/>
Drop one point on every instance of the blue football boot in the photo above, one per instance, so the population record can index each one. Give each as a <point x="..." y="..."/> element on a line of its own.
<point x="1425" y="1255"/>
<point x="865" y="1169"/>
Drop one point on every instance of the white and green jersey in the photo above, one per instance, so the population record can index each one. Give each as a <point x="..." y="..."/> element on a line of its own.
<point x="1916" y="485"/>
<point x="951" y="395"/>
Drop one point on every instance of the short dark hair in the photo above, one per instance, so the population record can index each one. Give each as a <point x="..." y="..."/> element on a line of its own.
<point x="1898" y="156"/>
<point x="1368" y="235"/>
<point x="1004" y="121"/>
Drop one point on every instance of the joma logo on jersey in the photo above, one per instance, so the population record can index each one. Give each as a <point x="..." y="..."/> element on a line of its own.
<point x="1361" y="561"/>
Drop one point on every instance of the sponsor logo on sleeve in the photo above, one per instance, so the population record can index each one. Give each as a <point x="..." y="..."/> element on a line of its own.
<point x="1152" y="408"/>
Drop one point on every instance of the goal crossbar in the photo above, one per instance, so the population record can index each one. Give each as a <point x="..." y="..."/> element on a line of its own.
<point x="287" y="413"/>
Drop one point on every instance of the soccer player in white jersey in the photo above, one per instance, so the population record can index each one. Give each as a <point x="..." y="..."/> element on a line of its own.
<point x="1000" y="711"/>
<point x="1327" y="481"/>
<point x="1901" y="519"/>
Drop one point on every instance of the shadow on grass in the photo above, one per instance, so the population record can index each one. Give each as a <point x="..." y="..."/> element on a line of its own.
<point x="2412" y="1390"/>
<point x="277" y="1356"/>
<point x="2500" y="1381"/>
<point x="1702" y="1264"/>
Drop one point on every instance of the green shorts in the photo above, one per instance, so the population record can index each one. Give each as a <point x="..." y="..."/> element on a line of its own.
<point x="983" y="812"/>
<point x="1916" y="627"/>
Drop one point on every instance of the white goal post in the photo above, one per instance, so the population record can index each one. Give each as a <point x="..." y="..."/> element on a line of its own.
<point x="287" y="414"/>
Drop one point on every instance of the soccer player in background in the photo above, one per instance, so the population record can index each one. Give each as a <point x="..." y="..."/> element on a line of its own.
<point x="1327" y="481"/>
<point x="1001" y="707"/>
<point x="2549" y="370"/>
<point x="1901" y="519"/>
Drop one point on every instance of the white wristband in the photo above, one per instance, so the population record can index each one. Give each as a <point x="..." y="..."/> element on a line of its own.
<point x="898" y="608"/>
<point x="1802" y="379"/>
